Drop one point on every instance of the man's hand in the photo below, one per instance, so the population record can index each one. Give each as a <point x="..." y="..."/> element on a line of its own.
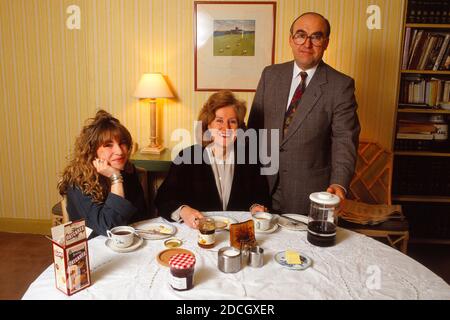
<point x="337" y="190"/>
<point x="257" y="208"/>
<point x="340" y="192"/>
<point x="190" y="216"/>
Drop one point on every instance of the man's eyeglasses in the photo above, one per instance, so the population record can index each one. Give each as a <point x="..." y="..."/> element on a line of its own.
<point x="317" y="39"/>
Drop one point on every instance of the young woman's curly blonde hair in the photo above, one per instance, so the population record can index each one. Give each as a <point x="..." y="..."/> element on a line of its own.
<point x="81" y="172"/>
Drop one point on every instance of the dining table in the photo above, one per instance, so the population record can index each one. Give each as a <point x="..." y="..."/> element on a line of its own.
<point x="356" y="267"/>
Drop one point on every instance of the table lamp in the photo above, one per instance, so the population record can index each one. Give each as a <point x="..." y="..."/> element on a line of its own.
<point x="150" y="87"/>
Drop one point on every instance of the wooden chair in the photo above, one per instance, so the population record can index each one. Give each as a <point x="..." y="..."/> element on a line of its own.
<point x="372" y="185"/>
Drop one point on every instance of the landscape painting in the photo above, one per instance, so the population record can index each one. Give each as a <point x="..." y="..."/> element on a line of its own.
<point x="234" y="37"/>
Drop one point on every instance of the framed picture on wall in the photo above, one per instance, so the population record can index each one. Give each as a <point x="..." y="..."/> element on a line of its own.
<point x="234" y="41"/>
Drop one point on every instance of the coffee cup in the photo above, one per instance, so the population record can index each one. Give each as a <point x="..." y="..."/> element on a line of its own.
<point x="122" y="237"/>
<point x="262" y="220"/>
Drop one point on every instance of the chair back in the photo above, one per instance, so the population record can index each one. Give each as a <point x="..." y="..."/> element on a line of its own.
<point x="373" y="174"/>
<point x="65" y="214"/>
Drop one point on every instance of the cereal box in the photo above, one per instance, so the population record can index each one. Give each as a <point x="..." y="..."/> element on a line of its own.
<point x="71" y="257"/>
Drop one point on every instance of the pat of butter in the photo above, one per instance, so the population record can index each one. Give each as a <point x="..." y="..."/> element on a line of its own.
<point x="293" y="257"/>
<point x="165" y="230"/>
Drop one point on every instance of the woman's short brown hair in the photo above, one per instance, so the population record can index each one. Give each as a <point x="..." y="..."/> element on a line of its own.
<point x="223" y="98"/>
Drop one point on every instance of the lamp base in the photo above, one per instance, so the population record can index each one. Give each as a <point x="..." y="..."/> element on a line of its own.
<point x="152" y="150"/>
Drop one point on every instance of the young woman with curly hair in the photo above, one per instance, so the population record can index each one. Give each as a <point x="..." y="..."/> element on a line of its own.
<point x="100" y="183"/>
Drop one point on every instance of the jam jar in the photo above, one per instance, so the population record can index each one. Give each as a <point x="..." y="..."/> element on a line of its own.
<point x="206" y="233"/>
<point x="182" y="271"/>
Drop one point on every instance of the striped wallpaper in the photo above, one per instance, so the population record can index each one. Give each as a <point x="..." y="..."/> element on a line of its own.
<point x="53" y="78"/>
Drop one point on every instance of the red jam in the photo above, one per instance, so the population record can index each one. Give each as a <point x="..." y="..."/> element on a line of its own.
<point x="182" y="271"/>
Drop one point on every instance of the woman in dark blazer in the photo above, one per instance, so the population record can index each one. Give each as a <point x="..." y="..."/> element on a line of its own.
<point x="100" y="184"/>
<point x="209" y="177"/>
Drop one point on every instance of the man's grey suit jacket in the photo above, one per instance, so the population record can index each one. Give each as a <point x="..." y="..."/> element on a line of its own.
<point x="320" y="146"/>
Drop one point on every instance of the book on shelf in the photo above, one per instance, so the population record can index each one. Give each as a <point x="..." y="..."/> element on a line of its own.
<point x="445" y="64"/>
<point x="416" y="128"/>
<point x="428" y="11"/>
<point x="403" y="105"/>
<point x="420" y="92"/>
<point x="434" y="51"/>
<point x="427" y="50"/>
<point x="429" y="45"/>
<point x="442" y="51"/>
<point x="421" y="39"/>
<point x="431" y="88"/>
<point x="413" y="145"/>
<point x="415" y="136"/>
<point x="406" y="48"/>
<point x="446" y="92"/>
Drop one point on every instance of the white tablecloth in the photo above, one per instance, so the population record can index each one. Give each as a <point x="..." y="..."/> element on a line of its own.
<point x="357" y="267"/>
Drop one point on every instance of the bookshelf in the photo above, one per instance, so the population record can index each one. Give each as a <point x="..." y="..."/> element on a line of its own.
<point x="421" y="154"/>
<point x="442" y="72"/>
<point x="413" y="110"/>
<point x="433" y="199"/>
<point x="421" y="173"/>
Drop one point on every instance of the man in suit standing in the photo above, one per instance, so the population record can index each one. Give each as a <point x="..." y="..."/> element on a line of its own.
<point x="314" y="108"/>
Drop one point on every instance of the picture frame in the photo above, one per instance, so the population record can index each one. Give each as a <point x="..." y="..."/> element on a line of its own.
<point x="234" y="41"/>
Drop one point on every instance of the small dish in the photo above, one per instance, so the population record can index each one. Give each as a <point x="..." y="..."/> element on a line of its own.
<point x="172" y="243"/>
<point x="164" y="256"/>
<point x="167" y="230"/>
<point x="137" y="242"/>
<point x="281" y="259"/>
<point x="302" y="224"/>
<point x="270" y="230"/>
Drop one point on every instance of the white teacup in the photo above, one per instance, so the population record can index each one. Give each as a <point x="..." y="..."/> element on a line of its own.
<point x="122" y="237"/>
<point x="262" y="220"/>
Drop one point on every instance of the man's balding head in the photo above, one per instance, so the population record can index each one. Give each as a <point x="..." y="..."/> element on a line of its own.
<point x="326" y="22"/>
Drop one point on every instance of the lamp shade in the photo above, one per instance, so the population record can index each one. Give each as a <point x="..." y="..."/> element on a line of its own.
<point x="153" y="85"/>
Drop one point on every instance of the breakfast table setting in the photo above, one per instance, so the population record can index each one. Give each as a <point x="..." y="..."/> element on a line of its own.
<point x="281" y="264"/>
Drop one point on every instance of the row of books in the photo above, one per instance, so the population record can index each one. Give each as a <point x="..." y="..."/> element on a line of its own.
<point x="426" y="50"/>
<point x="427" y="91"/>
<point x="420" y="145"/>
<point x="408" y="187"/>
<point x="428" y="11"/>
<point x="427" y="220"/>
<point x="416" y="130"/>
<point x="422" y="176"/>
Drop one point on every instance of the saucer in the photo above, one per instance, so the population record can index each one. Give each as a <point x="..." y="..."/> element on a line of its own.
<point x="136" y="244"/>
<point x="281" y="259"/>
<point x="270" y="230"/>
<point x="301" y="226"/>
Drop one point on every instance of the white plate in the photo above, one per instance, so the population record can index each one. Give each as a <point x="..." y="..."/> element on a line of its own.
<point x="227" y="220"/>
<point x="285" y="223"/>
<point x="273" y="229"/>
<point x="168" y="230"/>
<point x="136" y="244"/>
<point x="281" y="259"/>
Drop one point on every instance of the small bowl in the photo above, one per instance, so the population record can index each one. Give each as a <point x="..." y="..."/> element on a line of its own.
<point x="173" y="243"/>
